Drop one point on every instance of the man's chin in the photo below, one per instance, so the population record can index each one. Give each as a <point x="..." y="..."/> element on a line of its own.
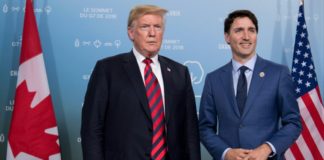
<point x="246" y="55"/>
<point x="150" y="53"/>
<point x="153" y="53"/>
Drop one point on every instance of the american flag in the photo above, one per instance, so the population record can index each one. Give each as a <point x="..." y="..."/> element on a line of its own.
<point x="310" y="144"/>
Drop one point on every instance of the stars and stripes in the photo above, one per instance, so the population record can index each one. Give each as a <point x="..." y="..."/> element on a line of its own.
<point x="310" y="144"/>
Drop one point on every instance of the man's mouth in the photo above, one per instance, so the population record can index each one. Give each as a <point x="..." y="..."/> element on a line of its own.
<point x="246" y="45"/>
<point x="151" y="42"/>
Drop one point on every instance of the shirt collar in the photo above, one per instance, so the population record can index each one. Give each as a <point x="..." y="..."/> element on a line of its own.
<point x="250" y="64"/>
<point x="139" y="57"/>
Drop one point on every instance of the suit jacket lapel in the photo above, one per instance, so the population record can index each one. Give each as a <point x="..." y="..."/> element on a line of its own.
<point x="134" y="74"/>
<point x="227" y="83"/>
<point x="167" y="81"/>
<point x="257" y="80"/>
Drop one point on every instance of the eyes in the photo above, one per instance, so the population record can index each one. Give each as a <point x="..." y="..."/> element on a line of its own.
<point x="147" y="27"/>
<point x="241" y="30"/>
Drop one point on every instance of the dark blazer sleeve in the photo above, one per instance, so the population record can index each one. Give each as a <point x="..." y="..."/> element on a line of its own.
<point x="192" y="132"/>
<point x="208" y="121"/>
<point x="289" y="113"/>
<point x="92" y="126"/>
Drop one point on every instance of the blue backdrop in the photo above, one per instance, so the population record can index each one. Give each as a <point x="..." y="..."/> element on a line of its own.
<point x="75" y="34"/>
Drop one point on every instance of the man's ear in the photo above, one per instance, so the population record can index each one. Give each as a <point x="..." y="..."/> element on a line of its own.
<point x="130" y="33"/>
<point x="226" y="37"/>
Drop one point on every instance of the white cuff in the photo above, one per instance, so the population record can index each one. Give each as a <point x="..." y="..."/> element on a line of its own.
<point x="274" y="152"/>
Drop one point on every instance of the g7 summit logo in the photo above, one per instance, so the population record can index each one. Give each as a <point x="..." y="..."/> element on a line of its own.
<point x="196" y="71"/>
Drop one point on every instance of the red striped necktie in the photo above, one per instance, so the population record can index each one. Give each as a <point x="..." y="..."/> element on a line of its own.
<point x="154" y="97"/>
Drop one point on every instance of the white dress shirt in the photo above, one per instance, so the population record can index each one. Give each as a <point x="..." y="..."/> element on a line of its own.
<point x="156" y="68"/>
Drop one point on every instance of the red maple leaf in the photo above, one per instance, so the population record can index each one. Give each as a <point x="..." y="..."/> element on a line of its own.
<point x="27" y="130"/>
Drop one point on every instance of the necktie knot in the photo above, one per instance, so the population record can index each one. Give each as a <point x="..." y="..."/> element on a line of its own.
<point x="147" y="61"/>
<point x="243" y="69"/>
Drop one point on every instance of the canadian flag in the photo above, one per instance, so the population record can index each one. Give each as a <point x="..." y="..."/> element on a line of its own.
<point x="33" y="133"/>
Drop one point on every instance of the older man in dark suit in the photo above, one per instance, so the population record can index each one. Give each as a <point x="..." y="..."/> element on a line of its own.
<point x="140" y="105"/>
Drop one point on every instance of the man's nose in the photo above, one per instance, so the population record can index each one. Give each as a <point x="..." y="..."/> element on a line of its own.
<point x="246" y="35"/>
<point x="152" y="31"/>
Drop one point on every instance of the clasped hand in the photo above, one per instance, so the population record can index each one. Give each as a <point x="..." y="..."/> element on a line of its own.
<point x="260" y="153"/>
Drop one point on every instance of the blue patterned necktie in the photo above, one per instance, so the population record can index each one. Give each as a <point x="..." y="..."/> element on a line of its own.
<point x="241" y="93"/>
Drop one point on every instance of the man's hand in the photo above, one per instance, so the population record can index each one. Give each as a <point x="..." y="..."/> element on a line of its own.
<point x="237" y="154"/>
<point x="260" y="153"/>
